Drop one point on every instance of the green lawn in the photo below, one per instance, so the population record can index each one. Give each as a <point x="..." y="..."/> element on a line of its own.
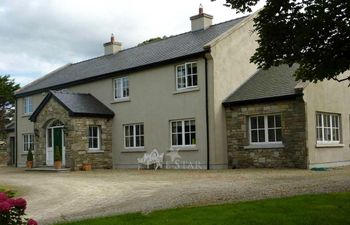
<point x="327" y="209"/>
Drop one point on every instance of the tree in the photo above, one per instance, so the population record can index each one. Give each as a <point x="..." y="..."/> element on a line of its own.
<point x="312" y="33"/>
<point x="7" y="100"/>
<point x="152" y="40"/>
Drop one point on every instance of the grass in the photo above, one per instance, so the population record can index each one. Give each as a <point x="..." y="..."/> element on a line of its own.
<point x="9" y="191"/>
<point x="302" y="210"/>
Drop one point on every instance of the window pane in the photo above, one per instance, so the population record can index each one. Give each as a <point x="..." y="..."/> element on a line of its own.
<point x="319" y="134"/>
<point x="253" y="122"/>
<point x="173" y="127"/>
<point x="327" y="134"/>
<point x="254" y="134"/>
<point x="187" y="139"/>
<point x="261" y="122"/>
<point x="138" y="141"/>
<point x="318" y="120"/>
<point x="335" y="135"/>
<point x="261" y="135"/>
<point x="278" y="121"/>
<point x="141" y="131"/>
<point x="187" y="126"/>
<point x="49" y="138"/>
<point x="271" y="121"/>
<point x="278" y="135"/>
<point x="194" y="68"/>
<point x="174" y="139"/>
<point x="142" y="141"/>
<point x="194" y="80"/>
<point x="179" y="139"/>
<point x="271" y="134"/>
<point x="193" y="126"/>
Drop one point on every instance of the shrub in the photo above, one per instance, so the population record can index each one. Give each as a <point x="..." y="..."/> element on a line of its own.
<point x="30" y="155"/>
<point x="57" y="154"/>
<point x="12" y="211"/>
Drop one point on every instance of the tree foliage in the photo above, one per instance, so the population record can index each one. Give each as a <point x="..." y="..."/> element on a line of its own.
<point x="151" y="40"/>
<point x="312" y="33"/>
<point x="7" y="100"/>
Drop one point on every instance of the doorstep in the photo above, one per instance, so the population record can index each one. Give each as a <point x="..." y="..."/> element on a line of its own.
<point x="47" y="169"/>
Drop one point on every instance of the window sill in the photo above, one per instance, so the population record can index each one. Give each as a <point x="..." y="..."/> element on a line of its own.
<point x="183" y="149"/>
<point x="260" y="146"/>
<point x="319" y="145"/>
<point x="26" y="115"/>
<point x="95" y="151"/>
<point x="132" y="150"/>
<point x="185" y="90"/>
<point x="119" y="100"/>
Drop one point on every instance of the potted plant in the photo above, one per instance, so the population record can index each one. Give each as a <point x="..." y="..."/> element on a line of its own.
<point x="30" y="159"/>
<point x="87" y="166"/>
<point x="57" y="158"/>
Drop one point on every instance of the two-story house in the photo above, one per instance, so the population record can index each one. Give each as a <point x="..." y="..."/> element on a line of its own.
<point x="195" y="93"/>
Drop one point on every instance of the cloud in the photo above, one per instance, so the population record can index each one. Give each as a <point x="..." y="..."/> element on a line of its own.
<point x="38" y="36"/>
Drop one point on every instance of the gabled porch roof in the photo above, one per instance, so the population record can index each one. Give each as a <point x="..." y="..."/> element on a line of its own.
<point x="77" y="104"/>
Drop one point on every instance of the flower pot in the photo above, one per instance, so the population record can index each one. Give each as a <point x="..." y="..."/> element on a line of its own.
<point x="29" y="164"/>
<point x="58" y="165"/>
<point x="87" y="167"/>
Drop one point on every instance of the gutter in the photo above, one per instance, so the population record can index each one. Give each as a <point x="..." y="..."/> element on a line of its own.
<point x="207" y="111"/>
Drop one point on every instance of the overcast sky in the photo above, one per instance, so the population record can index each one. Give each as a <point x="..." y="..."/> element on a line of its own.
<point x="38" y="36"/>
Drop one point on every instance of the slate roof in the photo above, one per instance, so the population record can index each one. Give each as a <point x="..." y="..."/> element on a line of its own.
<point x="264" y="85"/>
<point x="175" y="47"/>
<point x="77" y="104"/>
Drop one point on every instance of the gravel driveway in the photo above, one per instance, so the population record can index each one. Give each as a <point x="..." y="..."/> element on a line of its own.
<point x="74" y="195"/>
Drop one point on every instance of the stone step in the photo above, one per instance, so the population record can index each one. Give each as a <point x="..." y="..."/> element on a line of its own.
<point x="48" y="169"/>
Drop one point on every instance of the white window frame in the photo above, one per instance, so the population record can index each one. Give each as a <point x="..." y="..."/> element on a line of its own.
<point x="183" y="132"/>
<point x="331" y="127"/>
<point x="134" y="135"/>
<point x="27" y="105"/>
<point x="186" y="75"/>
<point x="94" y="137"/>
<point x="124" y="86"/>
<point x="266" y="130"/>
<point x="28" y="139"/>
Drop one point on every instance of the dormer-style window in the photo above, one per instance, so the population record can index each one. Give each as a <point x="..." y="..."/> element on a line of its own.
<point x="186" y="76"/>
<point x="27" y="106"/>
<point x="121" y="88"/>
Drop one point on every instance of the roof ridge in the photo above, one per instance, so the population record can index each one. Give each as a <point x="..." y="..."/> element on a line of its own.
<point x="172" y="36"/>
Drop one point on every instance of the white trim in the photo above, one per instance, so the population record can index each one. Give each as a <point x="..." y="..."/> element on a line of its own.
<point x="266" y="130"/>
<point x="264" y="145"/>
<point x="321" y="145"/>
<point x="183" y="146"/>
<point x="121" y="88"/>
<point x="186" y="75"/>
<point x="190" y="89"/>
<point x="93" y="137"/>
<point x="323" y="142"/>
<point x="134" y="135"/>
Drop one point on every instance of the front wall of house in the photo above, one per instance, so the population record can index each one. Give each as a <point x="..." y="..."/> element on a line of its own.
<point x="328" y="97"/>
<point x="75" y="138"/>
<point x="242" y="154"/>
<point x="231" y="68"/>
<point x="24" y="126"/>
<point x="154" y="102"/>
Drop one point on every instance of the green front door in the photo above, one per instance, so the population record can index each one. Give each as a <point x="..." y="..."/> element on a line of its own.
<point x="57" y="140"/>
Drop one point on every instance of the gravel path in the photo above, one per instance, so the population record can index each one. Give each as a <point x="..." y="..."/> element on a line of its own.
<point x="73" y="195"/>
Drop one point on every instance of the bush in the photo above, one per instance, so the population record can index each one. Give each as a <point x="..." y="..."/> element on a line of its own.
<point x="30" y="155"/>
<point x="12" y="211"/>
<point x="8" y="192"/>
<point x="57" y="154"/>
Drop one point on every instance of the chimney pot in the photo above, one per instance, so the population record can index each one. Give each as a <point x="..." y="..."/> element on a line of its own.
<point x="200" y="9"/>
<point x="112" y="38"/>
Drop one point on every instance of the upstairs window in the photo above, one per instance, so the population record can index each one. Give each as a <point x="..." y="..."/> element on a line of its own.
<point x="27" y="105"/>
<point x="186" y="75"/>
<point x="94" y="138"/>
<point x="265" y="129"/>
<point x="328" y="128"/>
<point x="121" y="88"/>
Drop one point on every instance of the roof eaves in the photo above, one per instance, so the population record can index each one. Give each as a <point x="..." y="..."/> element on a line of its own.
<point x="263" y="100"/>
<point x="115" y="73"/>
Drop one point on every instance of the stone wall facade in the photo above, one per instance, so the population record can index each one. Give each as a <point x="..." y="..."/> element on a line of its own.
<point x="293" y="154"/>
<point x="75" y="138"/>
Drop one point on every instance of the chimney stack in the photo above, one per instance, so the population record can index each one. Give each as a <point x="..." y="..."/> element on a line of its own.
<point x="112" y="47"/>
<point x="201" y="21"/>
